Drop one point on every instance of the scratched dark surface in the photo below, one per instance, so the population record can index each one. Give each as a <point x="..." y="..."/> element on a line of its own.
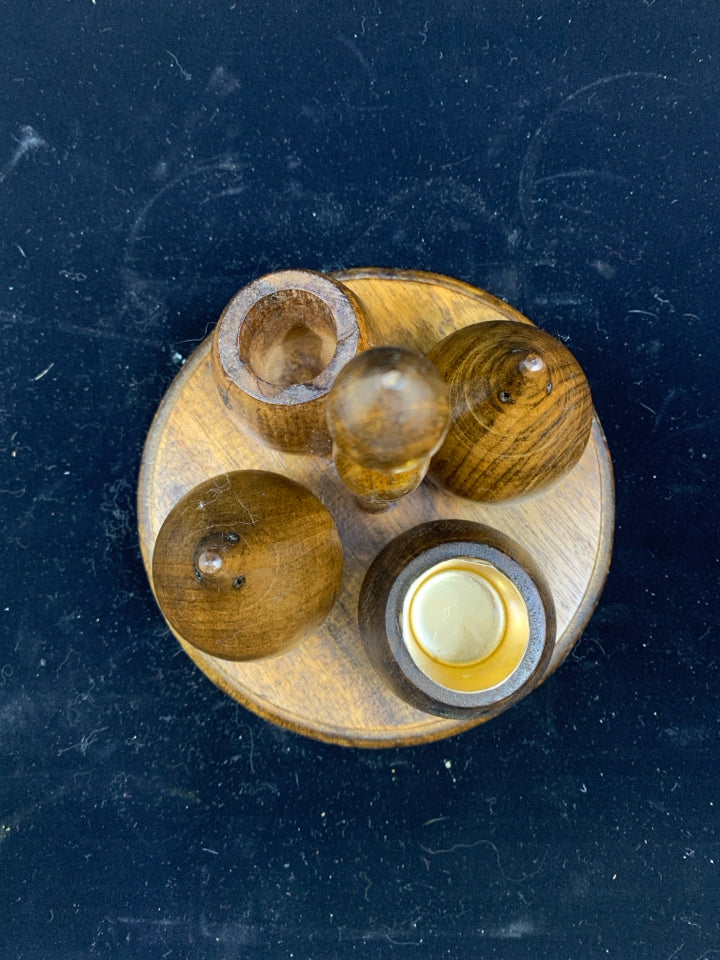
<point x="153" y="159"/>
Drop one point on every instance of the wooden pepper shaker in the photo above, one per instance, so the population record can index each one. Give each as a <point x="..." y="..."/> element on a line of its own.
<point x="521" y="410"/>
<point x="246" y="565"/>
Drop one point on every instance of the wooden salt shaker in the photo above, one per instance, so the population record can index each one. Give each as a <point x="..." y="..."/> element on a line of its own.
<point x="246" y="565"/>
<point x="521" y="411"/>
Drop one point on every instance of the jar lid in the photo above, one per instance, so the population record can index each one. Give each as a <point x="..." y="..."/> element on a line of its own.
<point x="465" y="624"/>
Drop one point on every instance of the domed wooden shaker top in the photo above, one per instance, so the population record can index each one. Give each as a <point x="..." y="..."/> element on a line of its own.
<point x="277" y="349"/>
<point x="387" y="412"/>
<point x="521" y="410"/>
<point x="246" y="565"/>
<point x="457" y="619"/>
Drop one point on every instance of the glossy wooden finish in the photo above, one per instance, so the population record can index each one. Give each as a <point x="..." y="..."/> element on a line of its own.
<point x="277" y="349"/>
<point x="246" y="565"/>
<point x="521" y="411"/>
<point x="325" y="686"/>
<point x="387" y="412"/>
<point x="478" y="686"/>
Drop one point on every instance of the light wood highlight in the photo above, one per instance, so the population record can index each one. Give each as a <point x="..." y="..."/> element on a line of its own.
<point x="325" y="687"/>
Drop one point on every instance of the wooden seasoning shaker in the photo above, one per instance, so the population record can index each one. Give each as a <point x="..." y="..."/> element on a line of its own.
<point x="521" y="411"/>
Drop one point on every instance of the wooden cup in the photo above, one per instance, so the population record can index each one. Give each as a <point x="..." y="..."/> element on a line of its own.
<point x="457" y="619"/>
<point x="276" y="351"/>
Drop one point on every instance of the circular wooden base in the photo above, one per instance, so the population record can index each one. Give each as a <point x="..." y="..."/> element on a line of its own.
<point x="325" y="688"/>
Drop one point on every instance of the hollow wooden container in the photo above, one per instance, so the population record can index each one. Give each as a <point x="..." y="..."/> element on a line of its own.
<point x="457" y="619"/>
<point x="277" y="349"/>
<point x="325" y="687"/>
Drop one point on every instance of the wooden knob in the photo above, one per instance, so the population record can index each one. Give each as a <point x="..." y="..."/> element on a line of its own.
<point x="521" y="410"/>
<point x="457" y="619"/>
<point x="277" y="349"/>
<point x="246" y="565"/>
<point x="387" y="412"/>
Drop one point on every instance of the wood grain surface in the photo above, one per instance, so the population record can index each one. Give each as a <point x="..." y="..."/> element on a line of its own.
<point x="247" y="564"/>
<point x="279" y="345"/>
<point x="325" y="687"/>
<point x="521" y="411"/>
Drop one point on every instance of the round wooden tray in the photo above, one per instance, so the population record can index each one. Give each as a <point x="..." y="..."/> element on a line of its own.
<point x="325" y="688"/>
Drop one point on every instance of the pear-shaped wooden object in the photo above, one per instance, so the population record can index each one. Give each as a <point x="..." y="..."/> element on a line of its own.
<point x="521" y="411"/>
<point x="246" y="565"/>
<point x="387" y="412"/>
<point x="277" y="349"/>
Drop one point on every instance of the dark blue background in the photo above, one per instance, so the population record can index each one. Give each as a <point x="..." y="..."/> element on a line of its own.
<point x="154" y="157"/>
